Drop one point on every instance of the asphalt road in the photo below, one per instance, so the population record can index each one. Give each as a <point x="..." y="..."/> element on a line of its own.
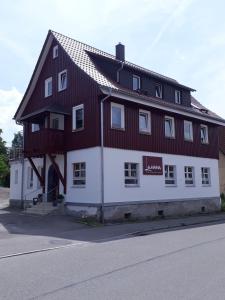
<point x="177" y="264"/>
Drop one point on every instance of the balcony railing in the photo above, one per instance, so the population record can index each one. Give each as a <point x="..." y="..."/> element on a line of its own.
<point x="15" y="153"/>
<point x="44" y="141"/>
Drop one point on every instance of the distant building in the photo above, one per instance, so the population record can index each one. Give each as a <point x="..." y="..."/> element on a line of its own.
<point x="117" y="140"/>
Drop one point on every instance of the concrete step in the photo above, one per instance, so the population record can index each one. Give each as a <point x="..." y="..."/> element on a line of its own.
<point x="44" y="208"/>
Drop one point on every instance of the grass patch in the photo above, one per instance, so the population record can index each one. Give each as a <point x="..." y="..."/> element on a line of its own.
<point x="222" y="196"/>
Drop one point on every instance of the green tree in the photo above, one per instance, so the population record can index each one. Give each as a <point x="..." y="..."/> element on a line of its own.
<point x="4" y="166"/>
<point x="17" y="141"/>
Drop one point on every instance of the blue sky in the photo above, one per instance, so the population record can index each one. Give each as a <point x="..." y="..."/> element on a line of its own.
<point x="183" y="39"/>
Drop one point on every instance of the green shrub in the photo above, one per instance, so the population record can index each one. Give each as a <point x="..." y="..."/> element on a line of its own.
<point x="222" y="196"/>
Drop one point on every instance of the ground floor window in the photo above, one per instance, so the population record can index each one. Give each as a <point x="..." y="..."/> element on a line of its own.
<point x="131" y="174"/>
<point x="205" y="176"/>
<point x="189" y="175"/>
<point x="170" y="175"/>
<point x="79" y="174"/>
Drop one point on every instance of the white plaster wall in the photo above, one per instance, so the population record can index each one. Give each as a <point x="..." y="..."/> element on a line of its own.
<point x="15" y="189"/>
<point x="91" y="193"/>
<point x="153" y="187"/>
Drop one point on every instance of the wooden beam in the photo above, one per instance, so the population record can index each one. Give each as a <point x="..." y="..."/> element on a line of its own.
<point x="56" y="167"/>
<point x="40" y="178"/>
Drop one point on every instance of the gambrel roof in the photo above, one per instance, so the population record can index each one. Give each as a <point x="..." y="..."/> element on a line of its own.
<point x="80" y="54"/>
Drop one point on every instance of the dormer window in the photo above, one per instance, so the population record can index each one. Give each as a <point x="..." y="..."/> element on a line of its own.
<point x="48" y="87"/>
<point x="204" y="134"/>
<point x="136" y="82"/>
<point x="55" y="51"/>
<point x="177" y="97"/>
<point x="62" y="80"/>
<point x="158" y="90"/>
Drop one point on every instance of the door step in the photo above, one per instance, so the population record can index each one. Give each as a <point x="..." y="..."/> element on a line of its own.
<point x="45" y="208"/>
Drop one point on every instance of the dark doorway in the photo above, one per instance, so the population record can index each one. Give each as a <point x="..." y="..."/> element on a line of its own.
<point x="53" y="184"/>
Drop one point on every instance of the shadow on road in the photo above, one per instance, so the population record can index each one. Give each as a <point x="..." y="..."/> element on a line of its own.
<point x="66" y="227"/>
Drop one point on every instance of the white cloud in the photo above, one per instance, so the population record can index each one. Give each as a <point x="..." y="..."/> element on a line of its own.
<point x="9" y="101"/>
<point x="176" y="12"/>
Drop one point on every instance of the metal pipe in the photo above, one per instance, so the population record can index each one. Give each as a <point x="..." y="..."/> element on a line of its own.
<point x="22" y="175"/>
<point x="118" y="72"/>
<point x="102" y="157"/>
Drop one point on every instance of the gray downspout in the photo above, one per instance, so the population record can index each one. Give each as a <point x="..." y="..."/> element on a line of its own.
<point x="22" y="179"/>
<point x="102" y="157"/>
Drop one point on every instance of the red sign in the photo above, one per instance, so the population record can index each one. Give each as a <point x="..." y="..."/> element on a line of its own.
<point x="152" y="165"/>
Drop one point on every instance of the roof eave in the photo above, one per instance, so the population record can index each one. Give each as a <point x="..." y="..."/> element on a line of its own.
<point x="35" y="76"/>
<point x="164" y="106"/>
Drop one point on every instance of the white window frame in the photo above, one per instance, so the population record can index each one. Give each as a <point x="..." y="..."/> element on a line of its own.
<point x="128" y="168"/>
<point x="55" y="121"/>
<point x="80" y="177"/>
<point x="35" y="127"/>
<point x="206" y="138"/>
<point x="74" y="121"/>
<point x="47" y="82"/>
<point x="55" y="51"/>
<point x="187" y="178"/>
<point x="177" y="97"/>
<point x="148" y="114"/>
<point x="160" y="94"/>
<point x="30" y="178"/>
<point x="172" y="127"/>
<point x="16" y="176"/>
<point x="190" y="126"/>
<point x="204" y="171"/>
<point x="138" y="80"/>
<point x="122" y="115"/>
<point x="167" y="172"/>
<point x="60" y="87"/>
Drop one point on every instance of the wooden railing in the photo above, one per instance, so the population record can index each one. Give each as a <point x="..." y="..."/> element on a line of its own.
<point x="15" y="153"/>
<point x="44" y="141"/>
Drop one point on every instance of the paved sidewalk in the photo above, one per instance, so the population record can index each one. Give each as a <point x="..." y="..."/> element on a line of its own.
<point x="28" y="233"/>
<point x="4" y="197"/>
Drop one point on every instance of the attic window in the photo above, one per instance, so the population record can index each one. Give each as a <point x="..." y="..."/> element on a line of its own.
<point x="177" y="97"/>
<point x="158" y="90"/>
<point x="62" y="80"/>
<point x="55" y="51"/>
<point x="136" y="82"/>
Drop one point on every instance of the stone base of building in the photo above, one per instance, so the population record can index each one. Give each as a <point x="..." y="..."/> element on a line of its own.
<point x="19" y="204"/>
<point x="144" y="210"/>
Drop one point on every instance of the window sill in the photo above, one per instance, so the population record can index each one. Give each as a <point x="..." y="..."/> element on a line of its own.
<point x="119" y="129"/>
<point x="205" y="143"/>
<point x="189" y="185"/>
<point x="145" y="132"/>
<point x="170" y="185"/>
<point x="132" y="185"/>
<point x="190" y="141"/>
<point x="77" y="130"/>
<point x="170" y="137"/>
<point x="61" y="90"/>
<point x="48" y="96"/>
<point x="206" y="185"/>
<point x="78" y="186"/>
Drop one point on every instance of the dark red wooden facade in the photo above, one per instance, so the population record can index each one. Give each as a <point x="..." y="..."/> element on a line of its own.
<point x="83" y="90"/>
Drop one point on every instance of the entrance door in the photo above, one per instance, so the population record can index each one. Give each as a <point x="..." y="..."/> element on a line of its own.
<point x="53" y="184"/>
